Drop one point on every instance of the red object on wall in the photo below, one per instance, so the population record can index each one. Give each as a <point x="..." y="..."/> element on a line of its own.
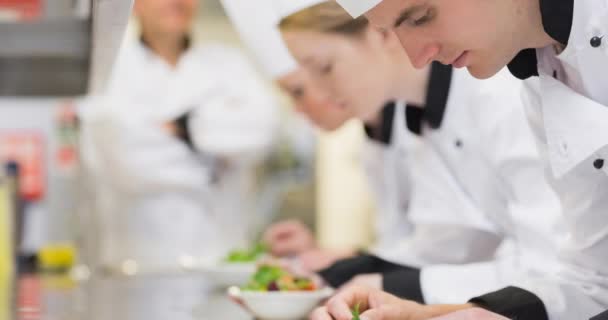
<point x="29" y="298"/>
<point x="26" y="147"/>
<point x="66" y="153"/>
<point x="25" y="9"/>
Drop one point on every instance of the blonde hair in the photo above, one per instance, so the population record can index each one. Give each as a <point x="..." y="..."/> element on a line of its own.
<point x="326" y="17"/>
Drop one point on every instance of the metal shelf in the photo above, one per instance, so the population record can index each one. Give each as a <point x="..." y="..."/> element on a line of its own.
<point x="64" y="56"/>
<point x="57" y="38"/>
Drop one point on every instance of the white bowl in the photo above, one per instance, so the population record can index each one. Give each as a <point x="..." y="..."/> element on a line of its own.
<point x="280" y="305"/>
<point x="229" y="274"/>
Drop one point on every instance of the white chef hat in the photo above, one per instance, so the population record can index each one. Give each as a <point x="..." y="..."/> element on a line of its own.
<point x="358" y="7"/>
<point x="285" y="8"/>
<point x="256" y="22"/>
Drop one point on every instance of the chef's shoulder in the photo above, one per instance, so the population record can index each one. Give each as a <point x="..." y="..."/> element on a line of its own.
<point x="222" y="57"/>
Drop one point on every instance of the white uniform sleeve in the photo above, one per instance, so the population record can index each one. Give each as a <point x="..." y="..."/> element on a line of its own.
<point x="448" y="227"/>
<point x="239" y="120"/>
<point x="389" y="185"/>
<point x="454" y="284"/>
<point x="135" y="152"/>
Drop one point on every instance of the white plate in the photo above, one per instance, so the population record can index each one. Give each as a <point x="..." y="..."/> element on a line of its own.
<point x="280" y="305"/>
<point x="229" y="274"/>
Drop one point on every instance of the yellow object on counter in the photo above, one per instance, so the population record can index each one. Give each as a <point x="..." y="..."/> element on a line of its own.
<point x="57" y="257"/>
<point x="6" y="233"/>
<point x="61" y="282"/>
<point x="6" y="297"/>
<point x="6" y="252"/>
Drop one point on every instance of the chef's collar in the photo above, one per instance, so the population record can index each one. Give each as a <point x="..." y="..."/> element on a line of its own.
<point x="436" y="100"/>
<point x="383" y="132"/>
<point x="557" y="16"/>
<point x="187" y="42"/>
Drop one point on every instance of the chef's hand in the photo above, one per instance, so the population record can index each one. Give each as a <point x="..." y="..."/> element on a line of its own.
<point x="289" y="237"/>
<point x="375" y="304"/>
<point x="235" y="296"/>
<point x="170" y="128"/>
<point x="472" y="314"/>
<point x="372" y="280"/>
<point x="319" y="259"/>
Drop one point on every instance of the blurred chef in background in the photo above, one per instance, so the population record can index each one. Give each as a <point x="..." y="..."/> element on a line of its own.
<point x="174" y="143"/>
<point x="386" y="174"/>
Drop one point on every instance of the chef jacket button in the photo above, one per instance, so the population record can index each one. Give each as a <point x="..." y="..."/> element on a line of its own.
<point x="458" y="143"/>
<point x="596" y="41"/>
<point x="598" y="164"/>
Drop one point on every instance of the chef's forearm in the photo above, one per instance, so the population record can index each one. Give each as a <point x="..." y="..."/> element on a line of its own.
<point x="438" y="310"/>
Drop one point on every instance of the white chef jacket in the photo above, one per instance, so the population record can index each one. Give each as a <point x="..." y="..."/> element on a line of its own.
<point x="168" y="203"/>
<point x="567" y="107"/>
<point x="386" y="166"/>
<point x="486" y="147"/>
<point x="390" y="165"/>
<point x="452" y="231"/>
<point x="447" y="227"/>
<point x="476" y="179"/>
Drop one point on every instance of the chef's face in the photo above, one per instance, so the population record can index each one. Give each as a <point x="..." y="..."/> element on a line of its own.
<point x="478" y="34"/>
<point x="169" y="17"/>
<point x="350" y="68"/>
<point x="314" y="102"/>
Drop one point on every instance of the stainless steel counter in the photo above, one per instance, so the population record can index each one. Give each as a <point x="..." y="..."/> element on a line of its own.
<point x="167" y="297"/>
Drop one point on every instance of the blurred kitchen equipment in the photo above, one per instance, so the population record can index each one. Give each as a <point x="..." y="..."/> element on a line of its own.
<point x="59" y="47"/>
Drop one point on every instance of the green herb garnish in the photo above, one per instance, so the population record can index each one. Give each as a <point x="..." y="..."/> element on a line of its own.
<point x="262" y="279"/>
<point x="275" y="278"/>
<point x="245" y="256"/>
<point x="356" y="313"/>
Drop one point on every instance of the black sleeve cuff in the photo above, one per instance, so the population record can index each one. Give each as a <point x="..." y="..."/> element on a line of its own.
<point x="344" y="270"/>
<point x="183" y="129"/>
<point x="513" y="303"/>
<point x="404" y="283"/>
<point x="601" y="316"/>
